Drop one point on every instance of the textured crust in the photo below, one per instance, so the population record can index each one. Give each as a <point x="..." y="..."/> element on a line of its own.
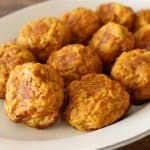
<point x="44" y="35"/>
<point x="75" y="60"/>
<point x="34" y="95"/>
<point x="11" y="55"/>
<point x="115" y="12"/>
<point x="97" y="102"/>
<point x="142" y="37"/>
<point x="83" y="22"/>
<point x="132" y="69"/>
<point x="110" y="41"/>
<point x="142" y="18"/>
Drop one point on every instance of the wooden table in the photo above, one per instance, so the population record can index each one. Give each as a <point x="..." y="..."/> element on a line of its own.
<point x="8" y="6"/>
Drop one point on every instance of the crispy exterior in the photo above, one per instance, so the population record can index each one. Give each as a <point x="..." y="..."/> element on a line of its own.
<point x="95" y="102"/>
<point x="75" y="60"/>
<point x="110" y="41"/>
<point x="83" y="22"/>
<point x="34" y="95"/>
<point x="132" y="69"/>
<point x="142" y="18"/>
<point x="11" y="55"/>
<point x="142" y="37"/>
<point x="44" y="35"/>
<point x="115" y="12"/>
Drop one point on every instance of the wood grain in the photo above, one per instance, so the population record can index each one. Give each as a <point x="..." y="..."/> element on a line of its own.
<point x="8" y="6"/>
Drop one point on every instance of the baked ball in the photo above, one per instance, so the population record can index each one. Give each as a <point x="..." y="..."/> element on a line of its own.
<point x="11" y="55"/>
<point x="44" y="35"/>
<point x="115" y="12"/>
<point x="83" y="22"/>
<point x="95" y="102"/>
<point x="34" y="95"/>
<point x="132" y="69"/>
<point x="142" y="37"/>
<point x="75" y="60"/>
<point x="142" y="18"/>
<point x="110" y="41"/>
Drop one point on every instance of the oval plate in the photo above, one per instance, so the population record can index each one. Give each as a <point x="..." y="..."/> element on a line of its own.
<point x="61" y="136"/>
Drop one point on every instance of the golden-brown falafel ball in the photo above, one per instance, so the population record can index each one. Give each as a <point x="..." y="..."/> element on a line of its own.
<point x="95" y="102"/>
<point x="110" y="41"/>
<point x="142" y="37"/>
<point x="115" y="12"/>
<point x="11" y="55"/>
<point x="75" y="60"/>
<point x="132" y="69"/>
<point x="34" y="95"/>
<point x="142" y="18"/>
<point x="44" y="35"/>
<point x="83" y="22"/>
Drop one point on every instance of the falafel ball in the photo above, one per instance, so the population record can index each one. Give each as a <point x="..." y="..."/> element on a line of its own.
<point x="44" y="35"/>
<point x="115" y="12"/>
<point x="142" y="18"/>
<point x="34" y="95"/>
<point x="11" y="55"/>
<point x="95" y="102"/>
<point x="75" y="60"/>
<point x="142" y="37"/>
<point x="83" y="23"/>
<point x="132" y="69"/>
<point x="110" y="41"/>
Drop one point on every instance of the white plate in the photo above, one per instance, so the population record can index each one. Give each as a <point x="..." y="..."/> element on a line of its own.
<point x="19" y="137"/>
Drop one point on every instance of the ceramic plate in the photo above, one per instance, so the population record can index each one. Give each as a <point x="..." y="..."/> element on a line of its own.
<point x="61" y="136"/>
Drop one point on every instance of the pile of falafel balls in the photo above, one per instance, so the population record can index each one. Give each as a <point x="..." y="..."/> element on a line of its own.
<point x="89" y="65"/>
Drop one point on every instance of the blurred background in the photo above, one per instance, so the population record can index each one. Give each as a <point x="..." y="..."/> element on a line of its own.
<point x="9" y="6"/>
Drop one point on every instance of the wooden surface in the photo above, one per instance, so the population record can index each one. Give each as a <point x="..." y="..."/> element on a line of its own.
<point x="8" y="6"/>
